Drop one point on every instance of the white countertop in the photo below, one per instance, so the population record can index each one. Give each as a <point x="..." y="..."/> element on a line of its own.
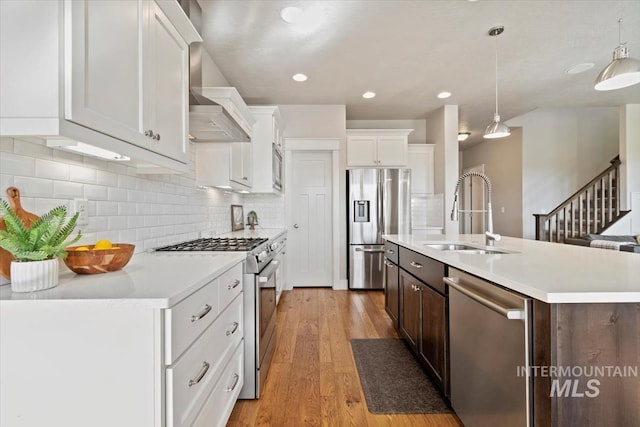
<point x="157" y="280"/>
<point x="550" y="272"/>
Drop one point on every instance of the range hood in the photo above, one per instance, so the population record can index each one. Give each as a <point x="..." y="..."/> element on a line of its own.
<point x="216" y="114"/>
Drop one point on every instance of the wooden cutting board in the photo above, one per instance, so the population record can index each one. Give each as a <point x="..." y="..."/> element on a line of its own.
<point x="13" y="196"/>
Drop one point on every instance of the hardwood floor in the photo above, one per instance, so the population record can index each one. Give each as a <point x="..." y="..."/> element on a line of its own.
<point x="313" y="379"/>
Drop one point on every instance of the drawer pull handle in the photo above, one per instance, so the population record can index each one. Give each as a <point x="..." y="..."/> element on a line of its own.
<point x="234" y="284"/>
<point x="234" y="329"/>
<point x="202" y="313"/>
<point x="415" y="264"/>
<point x="201" y="374"/>
<point x="236" y="378"/>
<point x="391" y="251"/>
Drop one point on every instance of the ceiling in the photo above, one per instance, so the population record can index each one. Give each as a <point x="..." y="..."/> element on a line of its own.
<point x="409" y="51"/>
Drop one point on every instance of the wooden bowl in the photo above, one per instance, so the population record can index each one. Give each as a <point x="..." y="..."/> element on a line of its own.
<point x="96" y="261"/>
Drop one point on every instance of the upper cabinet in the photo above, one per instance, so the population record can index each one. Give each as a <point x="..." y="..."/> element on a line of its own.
<point x="116" y="76"/>
<point x="421" y="164"/>
<point x="267" y="149"/>
<point x="377" y="147"/>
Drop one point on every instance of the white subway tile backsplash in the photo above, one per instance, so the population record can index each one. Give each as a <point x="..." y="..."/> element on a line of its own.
<point x="123" y="206"/>
<point x="34" y="187"/>
<point x="49" y="169"/>
<point x="82" y="174"/>
<point x="67" y="190"/>
<point x="17" y="165"/>
<point x="95" y="192"/>
<point x="117" y="194"/>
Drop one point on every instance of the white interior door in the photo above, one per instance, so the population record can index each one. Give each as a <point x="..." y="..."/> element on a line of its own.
<point x="473" y="196"/>
<point x="310" y="233"/>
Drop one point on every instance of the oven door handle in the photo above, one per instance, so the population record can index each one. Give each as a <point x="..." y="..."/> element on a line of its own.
<point x="268" y="271"/>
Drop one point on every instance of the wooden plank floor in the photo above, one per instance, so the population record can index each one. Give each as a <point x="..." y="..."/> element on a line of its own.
<point x="313" y="379"/>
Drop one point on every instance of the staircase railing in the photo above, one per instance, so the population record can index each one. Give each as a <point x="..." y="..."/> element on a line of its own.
<point x="591" y="209"/>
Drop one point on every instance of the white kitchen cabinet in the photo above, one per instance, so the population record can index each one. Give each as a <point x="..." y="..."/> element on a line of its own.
<point x="242" y="164"/>
<point x="420" y="161"/>
<point x="267" y="137"/>
<point x="224" y="165"/>
<point x="113" y="74"/>
<point x="377" y="147"/>
<point x="108" y="361"/>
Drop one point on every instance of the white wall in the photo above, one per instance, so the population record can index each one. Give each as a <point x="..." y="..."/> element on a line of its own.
<point x="630" y="168"/>
<point x="502" y="159"/>
<point x="442" y="130"/>
<point x="560" y="147"/>
<point x="146" y="210"/>
<point x="418" y="136"/>
<point x="211" y="74"/>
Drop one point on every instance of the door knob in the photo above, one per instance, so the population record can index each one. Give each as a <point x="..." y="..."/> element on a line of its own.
<point x="296" y="226"/>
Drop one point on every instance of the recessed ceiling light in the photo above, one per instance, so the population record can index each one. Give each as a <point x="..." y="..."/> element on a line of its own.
<point x="369" y="95"/>
<point x="462" y="136"/>
<point x="300" y="77"/>
<point x="291" y="15"/>
<point x="443" y="95"/>
<point x="580" y="68"/>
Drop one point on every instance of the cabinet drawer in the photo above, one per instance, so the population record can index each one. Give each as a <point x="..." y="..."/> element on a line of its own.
<point x="218" y="407"/>
<point x="189" y="318"/>
<point x="391" y="252"/>
<point x="229" y="286"/>
<point x="194" y="375"/>
<point x="426" y="269"/>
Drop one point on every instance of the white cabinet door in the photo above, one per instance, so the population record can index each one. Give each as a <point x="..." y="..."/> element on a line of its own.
<point x="420" y="161"/>
<point x="362" y="151"/>
<point x="267" y="131"/>
<point x="241" y="163"/>
<point x="166" y="87"/>
<point x="392" y="151"/>
<point x="103" y="68"/>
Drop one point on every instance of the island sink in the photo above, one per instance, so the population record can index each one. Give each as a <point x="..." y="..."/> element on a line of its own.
<point x="466" y="248"/>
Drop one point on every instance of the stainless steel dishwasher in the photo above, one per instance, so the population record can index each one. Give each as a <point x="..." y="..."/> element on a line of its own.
<point x="489" y="333"/>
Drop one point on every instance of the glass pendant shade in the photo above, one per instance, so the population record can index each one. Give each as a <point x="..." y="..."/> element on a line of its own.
<point x="621" y="72"/>
<point x="496" y="129"/>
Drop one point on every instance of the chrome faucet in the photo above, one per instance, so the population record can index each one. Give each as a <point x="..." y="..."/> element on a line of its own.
<point x="490" y="236"/>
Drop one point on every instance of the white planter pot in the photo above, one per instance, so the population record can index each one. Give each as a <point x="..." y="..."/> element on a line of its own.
<point x="34" y="275"/>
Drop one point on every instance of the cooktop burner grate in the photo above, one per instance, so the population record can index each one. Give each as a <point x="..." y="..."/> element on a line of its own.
<point x="221" y="244"/>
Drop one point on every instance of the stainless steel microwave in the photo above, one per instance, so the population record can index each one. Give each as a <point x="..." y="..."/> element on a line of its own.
<point x="277" y="168"/>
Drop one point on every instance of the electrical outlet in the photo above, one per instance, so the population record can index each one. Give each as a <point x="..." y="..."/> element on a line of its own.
<point x="81" y="206"/>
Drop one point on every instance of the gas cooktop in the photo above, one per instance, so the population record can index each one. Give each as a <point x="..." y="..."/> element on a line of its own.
<point x="221" y="244"/>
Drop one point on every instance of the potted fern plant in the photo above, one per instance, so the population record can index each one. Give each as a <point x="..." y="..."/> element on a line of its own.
<point x="36" y="250"/>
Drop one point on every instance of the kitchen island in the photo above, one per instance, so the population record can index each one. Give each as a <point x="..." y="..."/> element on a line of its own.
<point x="584" y="317"/>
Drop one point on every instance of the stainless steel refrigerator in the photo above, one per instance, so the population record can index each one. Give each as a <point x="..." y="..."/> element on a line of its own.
<point x="379" y="203"/>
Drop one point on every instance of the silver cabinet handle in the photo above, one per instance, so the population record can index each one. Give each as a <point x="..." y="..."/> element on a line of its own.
<point x="156" y="137"/>
<point x="234" y="284"/>
<point x="391" y="251"/>
<point x="148" y="133"/>
<point x="509" y="313"/>
<point x="236" y="378"/>
<point x="234" y="329"/>
<point x="244" y="178"/>
<point x="373" y="250"/>
<point x="415" y="264"/>
<point x="389" y="264"/>
<point x="200" y="376"/>
<point x="296" y="226"/>
<point x="202" y="313"/>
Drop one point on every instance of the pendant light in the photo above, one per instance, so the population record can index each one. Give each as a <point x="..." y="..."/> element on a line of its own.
<point x="496" y="129"/>
<point x="623" y="71"/>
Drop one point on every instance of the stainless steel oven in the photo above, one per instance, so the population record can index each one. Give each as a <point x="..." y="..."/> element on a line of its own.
<point x="277" y="168"/>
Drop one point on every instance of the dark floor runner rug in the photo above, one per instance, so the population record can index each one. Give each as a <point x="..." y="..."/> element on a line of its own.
<point x="392" y="380"/>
